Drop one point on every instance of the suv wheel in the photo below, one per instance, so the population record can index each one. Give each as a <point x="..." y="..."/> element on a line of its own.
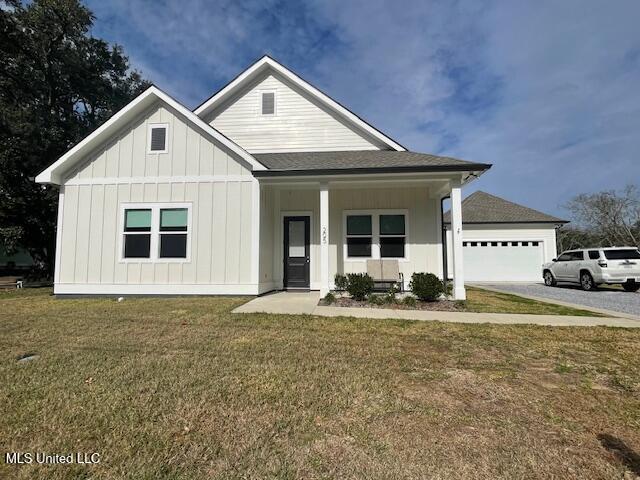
<point x="549" y="281"/>
<point x="586" y="282"/>
<point x="631" y="286"/>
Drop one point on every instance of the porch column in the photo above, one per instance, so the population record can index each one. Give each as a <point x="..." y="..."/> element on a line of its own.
<point x="456" y="241"/>
<point x="324" y="239"/>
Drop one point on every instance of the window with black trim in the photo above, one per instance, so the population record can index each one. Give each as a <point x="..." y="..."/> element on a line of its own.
<point x="392" y="236"/>
<point x="359" y="235"/>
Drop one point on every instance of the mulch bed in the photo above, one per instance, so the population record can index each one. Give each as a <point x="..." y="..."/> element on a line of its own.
<point x="440" y="305"/>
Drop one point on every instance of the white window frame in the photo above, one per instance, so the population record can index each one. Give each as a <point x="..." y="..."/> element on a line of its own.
<point x="150" y="127"/>
<point x="275" y="102"/>
<point x="154" y="249"/>
<point x="375" y="234"/>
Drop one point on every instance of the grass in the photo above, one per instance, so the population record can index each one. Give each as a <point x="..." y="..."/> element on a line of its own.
<point x="481" y="300"/>
<point x="181" y="388"/>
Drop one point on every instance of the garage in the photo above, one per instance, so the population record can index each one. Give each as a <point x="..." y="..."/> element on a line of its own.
<point x="498" y="261"/>
<point x="503" y="241"/>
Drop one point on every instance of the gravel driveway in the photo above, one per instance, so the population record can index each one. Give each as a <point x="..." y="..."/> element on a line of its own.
<point x="614" y="300"/>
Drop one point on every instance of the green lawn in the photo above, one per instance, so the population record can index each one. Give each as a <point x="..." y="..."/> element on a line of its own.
<point x="181" y="388"/>
<point x="481" y="300"/>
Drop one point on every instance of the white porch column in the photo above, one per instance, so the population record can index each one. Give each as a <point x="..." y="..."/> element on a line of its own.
<point x="456" y="241"/>
<point x="324" y="239"/>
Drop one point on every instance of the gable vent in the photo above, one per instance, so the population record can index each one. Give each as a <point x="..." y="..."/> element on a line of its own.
<point x="158" y="139"/>
<point x="268" y="103"/>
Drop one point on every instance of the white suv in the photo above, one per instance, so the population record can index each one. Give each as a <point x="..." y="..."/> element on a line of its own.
<point x="593" y="266"/>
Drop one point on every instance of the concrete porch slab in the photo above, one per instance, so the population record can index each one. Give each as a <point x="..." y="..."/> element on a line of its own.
<point x="294" y="303"/>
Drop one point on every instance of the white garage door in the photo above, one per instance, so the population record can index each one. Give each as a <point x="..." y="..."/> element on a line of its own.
<point x="502" y="261"/>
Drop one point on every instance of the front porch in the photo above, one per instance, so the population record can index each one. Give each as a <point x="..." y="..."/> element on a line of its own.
<point x="311" y="228"/>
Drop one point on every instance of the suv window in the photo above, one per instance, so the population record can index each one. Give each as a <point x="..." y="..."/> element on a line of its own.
<point x="577" y="256"/>
<point x="629" y="254"/>
<point x="594" y="254"/>
<point x="565" y="257"/>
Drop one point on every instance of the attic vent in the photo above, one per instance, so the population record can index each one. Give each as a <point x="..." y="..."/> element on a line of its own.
<point x="268" y="103"/>
<point x="158" y="139"/>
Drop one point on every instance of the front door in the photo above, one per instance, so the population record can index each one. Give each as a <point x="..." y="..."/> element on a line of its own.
<point x="296" y="252"/>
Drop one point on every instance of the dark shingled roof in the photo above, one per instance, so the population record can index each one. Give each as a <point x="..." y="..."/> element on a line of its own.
<point x="366" y="160"/>
<point x="481" y="207"/>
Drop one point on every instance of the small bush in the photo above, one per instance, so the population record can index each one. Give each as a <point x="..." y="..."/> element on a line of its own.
<point x="329" y="298"/>
<point x="376" y="299"/>
<point x="340" y="281"/>
<point x="360" y="285"/>
<point x="410" y="301"/>
<point x="390" y="296"/>
<point x="427" y="287"/>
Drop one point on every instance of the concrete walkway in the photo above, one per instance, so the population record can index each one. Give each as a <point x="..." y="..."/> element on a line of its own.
<point x="307" y="303"/>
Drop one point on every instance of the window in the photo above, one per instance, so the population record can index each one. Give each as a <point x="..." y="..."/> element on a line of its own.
<point x="376" y="234"/>
<point x="494" y="244"/>
<point x="464" y="244"/>
<point x="474" y="244"/>
<point x="158" y="138"/>
<point x="483" y="244"/>
<point x="137" y="233"/>
<point x="565" y="257"/>
<point x="268" y="103"/>
<point x="156" y="232"/>
<point x="359" y="235"/>
<point x="576" y="256"/>
<point x="173" y="232"/>
<point x="505" y="244"/>
<point x="628" y="254"/>
<point x="535" y="244"/>
<point x="594" y="254"/>
<point x="392" y="237"/>
<point x="525" y="244"/>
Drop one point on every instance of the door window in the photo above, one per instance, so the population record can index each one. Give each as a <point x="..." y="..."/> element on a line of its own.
<point x="296" y="238"/>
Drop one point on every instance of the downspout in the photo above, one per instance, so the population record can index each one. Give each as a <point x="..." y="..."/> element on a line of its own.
<point x="443" y="235"/>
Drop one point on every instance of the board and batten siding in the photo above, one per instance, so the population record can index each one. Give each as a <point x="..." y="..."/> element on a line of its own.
<point x="195" y="170"/>
<point x="299" y="123"/>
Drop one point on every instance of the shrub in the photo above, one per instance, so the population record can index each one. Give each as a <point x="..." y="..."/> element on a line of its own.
<point x="329" y="298"/>
<point x="427" y="287"/>
<point x="340" y="281"/>
<point x="410" y="301"/>
<point x="390" y="296"/>
<point x="359" y="285"/>
<point x="376" y="299"/>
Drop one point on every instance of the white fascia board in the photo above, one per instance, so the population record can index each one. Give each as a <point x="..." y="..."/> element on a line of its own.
<point x="265" y="62"/>
<point x="53" y="173"/>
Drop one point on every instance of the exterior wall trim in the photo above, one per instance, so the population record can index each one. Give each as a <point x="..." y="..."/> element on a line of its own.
<point x="155" y="289"/>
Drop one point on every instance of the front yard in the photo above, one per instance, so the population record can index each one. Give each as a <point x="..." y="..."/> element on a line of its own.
<point x="181" y="388"/>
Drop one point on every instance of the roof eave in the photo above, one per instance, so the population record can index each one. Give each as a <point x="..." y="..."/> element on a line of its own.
<point x="472" y="167"/>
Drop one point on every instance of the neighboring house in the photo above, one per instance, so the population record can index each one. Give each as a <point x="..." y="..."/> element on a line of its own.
<point x="268" y="184"/>
<point x="503" y="241"/>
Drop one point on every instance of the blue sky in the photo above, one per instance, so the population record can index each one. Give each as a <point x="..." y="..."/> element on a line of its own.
<point x="547" y="91"/>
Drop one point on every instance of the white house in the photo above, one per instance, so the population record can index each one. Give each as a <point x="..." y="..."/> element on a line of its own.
<point x="503" y="241"/>
<point x="268" y="184"/>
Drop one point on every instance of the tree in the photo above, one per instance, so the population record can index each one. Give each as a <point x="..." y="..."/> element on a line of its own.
<point x="604" y="219"/>
<point x="57" y="84"/>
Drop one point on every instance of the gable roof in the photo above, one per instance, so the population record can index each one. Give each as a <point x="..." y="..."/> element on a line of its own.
<point x="359" y="161"/>
<point x="482" y="207"/>
<point x="266" y="63"/>
<point x="53" y="174"/>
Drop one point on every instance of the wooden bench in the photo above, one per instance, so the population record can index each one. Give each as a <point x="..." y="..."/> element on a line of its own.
<point x="385" y="274"/>
<point x="10" y="282"/>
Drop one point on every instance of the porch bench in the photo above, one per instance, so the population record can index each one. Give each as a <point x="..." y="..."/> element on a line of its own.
<point x="10" y="282"/>
<point x="385" y="274"/>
